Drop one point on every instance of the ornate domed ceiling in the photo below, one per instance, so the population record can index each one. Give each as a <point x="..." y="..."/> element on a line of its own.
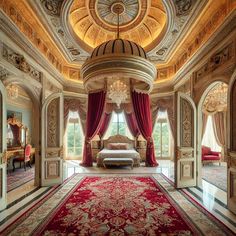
<point x="95" y="21"/>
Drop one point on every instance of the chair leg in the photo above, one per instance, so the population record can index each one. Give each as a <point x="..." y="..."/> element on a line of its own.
<point x="13" y="165"/>
<point x="29" y="164"/>
<point x="20" y="164"/>
<point x="25" y="165"/>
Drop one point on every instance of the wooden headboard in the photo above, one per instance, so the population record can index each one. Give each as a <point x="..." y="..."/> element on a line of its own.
<point x="118" y="139"/>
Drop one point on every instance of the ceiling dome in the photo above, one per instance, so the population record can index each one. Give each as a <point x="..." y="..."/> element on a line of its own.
<point x="118" y="46"/>
<point x="94" y="22"/>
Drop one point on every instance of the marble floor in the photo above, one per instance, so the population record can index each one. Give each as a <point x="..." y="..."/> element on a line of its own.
<point x="165" y="166"/>
<point x="209" y="196"/>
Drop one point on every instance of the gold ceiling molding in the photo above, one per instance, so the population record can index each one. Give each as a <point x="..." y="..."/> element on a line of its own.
<point x="179" y="30"/>
<point x="209" y="21"/>
<point x="94" y="22"/>
<point x="19" y="12"/>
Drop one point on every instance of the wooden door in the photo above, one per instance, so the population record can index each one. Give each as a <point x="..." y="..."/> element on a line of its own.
<point x="3" y="165"/>
<point x="231" y="141"/>
<point x="185" y="157"/>
<point x="52" y="135"/>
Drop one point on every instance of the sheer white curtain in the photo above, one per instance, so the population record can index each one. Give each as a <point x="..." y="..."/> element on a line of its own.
<point x="209" y="139"/>
<point x="73" y="116"/>
<point x="113" y="124"/>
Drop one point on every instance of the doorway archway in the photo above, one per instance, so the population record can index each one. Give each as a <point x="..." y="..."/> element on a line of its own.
<point x="32" y="90"/>
<point x="206" y="95"/>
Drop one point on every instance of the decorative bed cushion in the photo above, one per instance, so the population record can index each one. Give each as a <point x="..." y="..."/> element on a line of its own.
<point x="118" y="146"/>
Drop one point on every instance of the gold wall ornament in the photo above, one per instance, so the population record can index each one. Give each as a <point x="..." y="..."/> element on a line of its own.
<point x="12" y="91"/>
<point x="52" y="123"/>
<point x="187" y="123"/>
<point x="216" y="99"/>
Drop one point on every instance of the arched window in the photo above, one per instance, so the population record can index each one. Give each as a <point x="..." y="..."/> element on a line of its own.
<point x="162" y="136"/>
<point x="118" y="126"/>
<point x="75" y="137"/>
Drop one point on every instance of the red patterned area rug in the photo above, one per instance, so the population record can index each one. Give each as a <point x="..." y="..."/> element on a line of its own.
<point x="116" y="205"/>
<point x="19" y="177"/>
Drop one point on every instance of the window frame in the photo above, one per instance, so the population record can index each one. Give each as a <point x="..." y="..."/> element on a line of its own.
<point x="162" y="121"/>
<point x="70" y="155"/>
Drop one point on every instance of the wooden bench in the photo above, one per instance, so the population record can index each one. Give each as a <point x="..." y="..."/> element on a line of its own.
<point x="118" y="162"/>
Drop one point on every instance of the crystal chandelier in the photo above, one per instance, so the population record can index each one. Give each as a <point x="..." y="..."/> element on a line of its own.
<point x="118" y="92"/>
<point x="12" y="91"/>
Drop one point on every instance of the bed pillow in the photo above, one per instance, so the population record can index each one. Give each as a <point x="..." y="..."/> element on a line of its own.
<point x="118" y="146"/>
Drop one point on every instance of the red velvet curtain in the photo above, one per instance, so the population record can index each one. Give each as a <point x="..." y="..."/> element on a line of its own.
<point x="96" y="103"/>
<point x="104" y="125"/>
<point x="142" y="111"/>
<point x="132" y="124"/>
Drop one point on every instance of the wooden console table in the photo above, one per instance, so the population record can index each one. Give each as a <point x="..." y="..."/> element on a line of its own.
<point x="15" y="152"/>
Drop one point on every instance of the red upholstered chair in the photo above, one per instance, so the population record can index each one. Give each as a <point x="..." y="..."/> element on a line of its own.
<point x="209" y="156"/>
<point x="25" y="158"/>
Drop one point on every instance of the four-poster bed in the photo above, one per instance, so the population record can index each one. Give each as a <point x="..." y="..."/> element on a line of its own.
<point x="118" y="146"/>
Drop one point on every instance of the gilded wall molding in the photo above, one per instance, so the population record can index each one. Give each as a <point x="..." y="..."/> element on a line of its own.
<point x="30" y="32"/>
<point x="217" y="60"/>
<point x="20" y="63"/>
<point x="51" y="11"/>
<point x="53" y="131"/>
<point x="52" y="7"/>
<point x="225" y="35"/>
<point x="181" y="15"/>
<point x="4" y="73"/>
<point x="186" y="135"/>
<point x="199" y="38"/>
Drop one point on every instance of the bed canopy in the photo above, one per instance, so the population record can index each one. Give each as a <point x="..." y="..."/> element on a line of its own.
<point x="118" y="72"/>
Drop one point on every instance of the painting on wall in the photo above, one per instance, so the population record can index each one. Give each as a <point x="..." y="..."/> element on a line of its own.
<point x="16" y="114"/>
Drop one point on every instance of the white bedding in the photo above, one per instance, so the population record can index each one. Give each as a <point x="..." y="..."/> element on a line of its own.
<point x="108" y="153"/>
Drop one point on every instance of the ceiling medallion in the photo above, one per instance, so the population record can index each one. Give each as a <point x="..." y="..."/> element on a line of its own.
<point x="93" y="22"/>
<point x="104" y="13"/>
<point x="107" y="11"/>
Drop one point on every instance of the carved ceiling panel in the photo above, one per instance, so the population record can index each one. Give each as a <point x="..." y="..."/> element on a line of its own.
<point x="82" y="25"/>
<point x="95" y="21"/>
<point x="66" y="31"/>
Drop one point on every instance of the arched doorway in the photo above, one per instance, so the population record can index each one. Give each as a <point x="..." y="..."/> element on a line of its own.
<point x="22" y="106"/>
<point x="212" y="110"/>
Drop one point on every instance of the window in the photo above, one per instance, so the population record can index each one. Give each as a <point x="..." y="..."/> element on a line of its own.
<point x="161" y="136"/>
<point x="75" y="137"/>
<point x="209" y="139"/>
<point x="118" y="126"/>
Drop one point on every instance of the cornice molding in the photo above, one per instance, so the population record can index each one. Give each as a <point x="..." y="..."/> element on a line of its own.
<point x="180" y="23"/>
<point x="160" y="95"/>
<point x="12" y="34"/>
<point x="74" y="94"/>
<point x="53" y="25"/>
<point x="223" y="34"/>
